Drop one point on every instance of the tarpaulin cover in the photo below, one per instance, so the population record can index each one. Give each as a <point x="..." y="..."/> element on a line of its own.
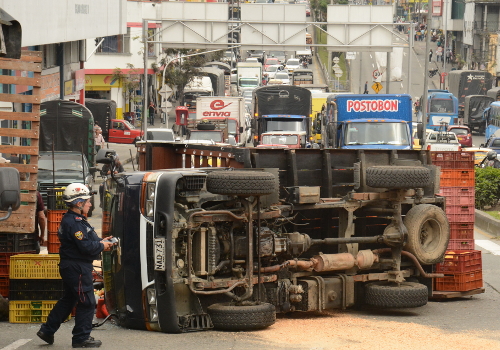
<point x="463" y="83"/>
<point x="283" y="100"/>
<point x="68" y="125"/>
<point x="474" y="107"/>
<point x="103" y="111"/>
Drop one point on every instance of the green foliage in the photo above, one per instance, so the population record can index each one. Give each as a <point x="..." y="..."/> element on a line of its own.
<point x="130" y="83"/>
<point x="487" y="187"/>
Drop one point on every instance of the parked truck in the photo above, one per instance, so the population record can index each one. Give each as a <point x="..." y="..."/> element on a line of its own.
<point x="249" y="74"/>
<point x="197" y="87"/>
<point x="474" y="108"/>
<point x="302" y="76"/>
<point x="462" y="83"/>
<point x="353" y="121"/>
<point x="271" y="231"/>
<point x="281" y="108"/>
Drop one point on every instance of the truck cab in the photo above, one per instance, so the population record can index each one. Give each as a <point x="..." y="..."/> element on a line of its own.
<point x="289" y="139"/>
<point x="121" y="131"/>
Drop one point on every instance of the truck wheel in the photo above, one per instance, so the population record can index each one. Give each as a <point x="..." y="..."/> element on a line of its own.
<point x="248" y="183"/>
<point x="385" y="294"/>
<point x="428" y="233"/>
<point x="230" y="317"/>
<point x="398" y="176"/>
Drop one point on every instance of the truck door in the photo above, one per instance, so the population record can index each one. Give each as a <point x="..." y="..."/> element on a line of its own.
<point x="118" y="132"/>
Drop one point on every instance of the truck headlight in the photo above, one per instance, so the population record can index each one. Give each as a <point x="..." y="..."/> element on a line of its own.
<point x="151" y="295"/>
<point x="150" y="199"/>
<point x="151" y="191"/>
<point x="153" y="313"/>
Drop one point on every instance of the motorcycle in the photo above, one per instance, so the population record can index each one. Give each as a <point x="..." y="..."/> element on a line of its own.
<point x="304" y="64"/>
<point x="432" y="72"/>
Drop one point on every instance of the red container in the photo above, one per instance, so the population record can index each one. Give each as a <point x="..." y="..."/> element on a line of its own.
<point x="54" y="218"/>
<point x="442" y="156"/>
<point x="460" y="261"/>
<point x="462" y="230"/>
<point x="53" y="248"/>
<point x="457" y="178"/>
<point x="456" y="218"/>
<point x="458" y="195"/>
<point x="4" y="286"/>
<point x="461" y="244"/>
<point x="459" y="209"/>
<point x="460" y="282"/>
<point x="53" y="238"/>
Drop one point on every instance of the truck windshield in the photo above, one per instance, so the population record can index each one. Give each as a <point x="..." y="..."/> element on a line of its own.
<point x="214" y="136"/>
<point x="376" y="134"/>
<point x="249" y="82"/>
<point x="231" y="126"/>
<point x="284" y="124"/>
<point x="441" y="106"/>
<point x="280" y="140"/>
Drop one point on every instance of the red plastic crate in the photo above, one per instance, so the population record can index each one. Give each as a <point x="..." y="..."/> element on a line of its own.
<point x="457" y="178"/>
<point x="456" y="218"/>
<point x="461" y="244"/>
<point x="458" y="195"/>
<point x="4" y="286"/>
<point x="53" y="248"/>
<point x="459" y="209"/>
<point x="53" y="238"/>
<point x="462" y="230"/>
<point x="460" y="282"/>
<point x="442" y="156"/>
<point x="53" y="226"/>
<point x="460" y="261"/>
<point x="454" y="164"/>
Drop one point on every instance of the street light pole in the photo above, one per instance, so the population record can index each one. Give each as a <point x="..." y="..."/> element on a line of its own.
<point x="145" y="79"/>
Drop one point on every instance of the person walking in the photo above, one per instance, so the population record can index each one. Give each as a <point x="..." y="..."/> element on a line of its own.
<point x="152" y="111"/>
<point x="366" y="88"/>
<point x="98" y="140"/>
<point x="80" y="246"/>
<point x="439" y="53"/>
<point x="430" y="55"/>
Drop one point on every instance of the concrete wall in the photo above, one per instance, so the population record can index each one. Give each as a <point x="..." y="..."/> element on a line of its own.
<point x="487" y="223"/>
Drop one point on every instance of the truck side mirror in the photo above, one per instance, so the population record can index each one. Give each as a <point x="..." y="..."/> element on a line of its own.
<point x="10" y="190"/>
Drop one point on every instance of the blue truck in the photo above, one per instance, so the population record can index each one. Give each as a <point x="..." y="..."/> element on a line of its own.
<point x="442" y="109"/>
<point x="491" y="118"/>
<point x="352" y="121"/>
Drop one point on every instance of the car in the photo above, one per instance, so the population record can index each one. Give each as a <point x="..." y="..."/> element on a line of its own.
<point x="161" y="134"/>
<point x="479" y="153"/>
<point x="280" y="55"/>
<point x="292" y="64"/>
<point x="441" y="141"/>
<point x="62" y="169"/>
<point x="308" y="12"/>
<point x="271" y="61"/>
<point x="272" y="70"/>
<point x="247" y="95"/>
<point x="252" y="59"/>
<point x="259" y="54"/>
<point x="493" y="143"/>
<point x="463" y="133"/>
<point x="283" y="76"/>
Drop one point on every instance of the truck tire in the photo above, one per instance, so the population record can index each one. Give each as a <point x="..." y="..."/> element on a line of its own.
<point x="226" y="316"/>
<point x="428" y="233"/>
<point x="398" y="176"/>
<point x="205" y="126"/>
<point x="385" y="294"/>
<point x="247" y="183"/>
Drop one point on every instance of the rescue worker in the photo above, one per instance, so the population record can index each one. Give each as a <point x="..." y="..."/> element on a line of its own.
<point x="492" y="160"/>
<point x="80" y="246"/>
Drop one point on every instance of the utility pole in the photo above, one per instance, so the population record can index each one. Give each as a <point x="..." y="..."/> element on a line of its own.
<point x="145" y="79"/>
<point x="423" y="104"/>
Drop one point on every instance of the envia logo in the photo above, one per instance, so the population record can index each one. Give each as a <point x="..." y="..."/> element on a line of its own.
<point x="217" y="105"/>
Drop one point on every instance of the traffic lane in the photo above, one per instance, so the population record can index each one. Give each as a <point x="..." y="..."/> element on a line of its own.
<point x="490" y="257"/>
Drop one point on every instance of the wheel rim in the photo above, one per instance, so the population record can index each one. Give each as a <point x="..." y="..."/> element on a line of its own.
<point x="430" y="235"/>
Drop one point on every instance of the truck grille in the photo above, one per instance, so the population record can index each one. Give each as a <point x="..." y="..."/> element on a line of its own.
<point x="195" y="182"/>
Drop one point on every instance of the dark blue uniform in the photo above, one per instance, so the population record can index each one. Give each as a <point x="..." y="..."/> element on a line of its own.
<point x="80" y="246"/>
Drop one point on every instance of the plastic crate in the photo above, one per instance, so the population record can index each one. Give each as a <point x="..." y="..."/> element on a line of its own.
<point x="459" y="209"/>
<point x="458" y="195"/>
<point x="54" y="198"/>
<point x="30" y="311"/>
<point x="32" y="289"/>
<point x="461" y="244"/>
<point x="457" y="178"/>
<point x="442" y="156"/>
<point x="5" y="263"/>
<point x="457" y="218"/>
<point x="4" y="286"/>
<point x="53" y="248"/>
<point x="53" y="238"/>
<point x="40" y="266"/>
<point x="460" y="282"/>
<point x="456" y="261"/>
<point x="54" y="218"/>
<point x="17" y="242"/>
<point x="462" y="230"/>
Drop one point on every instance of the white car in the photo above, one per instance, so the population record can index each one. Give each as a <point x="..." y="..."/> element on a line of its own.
<point x="272" y="70"/>
<point x="284" y="77"/>
<point x="292" y="64"/>
<point x="441" y="141"/>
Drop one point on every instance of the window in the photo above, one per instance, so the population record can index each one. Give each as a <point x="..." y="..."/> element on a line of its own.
<point x="115" y="43"/>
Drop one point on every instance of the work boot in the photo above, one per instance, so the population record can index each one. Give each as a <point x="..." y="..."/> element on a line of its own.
<point x="49" y="339"/>
<point x="89" y="343"/>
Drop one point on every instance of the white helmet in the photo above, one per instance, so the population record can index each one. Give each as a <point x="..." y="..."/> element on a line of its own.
<point x="76" y="191"/>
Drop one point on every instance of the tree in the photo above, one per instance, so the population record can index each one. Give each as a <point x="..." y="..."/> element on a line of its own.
<point x="130" y="82"/>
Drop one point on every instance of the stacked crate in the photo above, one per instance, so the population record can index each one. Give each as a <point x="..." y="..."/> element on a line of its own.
<point x="12" y="244"/>
<point x="462" y="265"/>
<point x="56" y="208"/>
<point x="35" y="287"/>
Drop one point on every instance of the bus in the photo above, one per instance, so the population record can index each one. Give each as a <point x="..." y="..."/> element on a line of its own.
<point x="491" y="116"/>
<point x="442" y="109"/>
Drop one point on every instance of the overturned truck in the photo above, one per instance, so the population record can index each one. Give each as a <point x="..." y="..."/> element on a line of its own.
<point x="226" y="237"/>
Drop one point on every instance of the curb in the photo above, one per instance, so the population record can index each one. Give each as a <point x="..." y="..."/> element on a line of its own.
<point x="487" y="223"/>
